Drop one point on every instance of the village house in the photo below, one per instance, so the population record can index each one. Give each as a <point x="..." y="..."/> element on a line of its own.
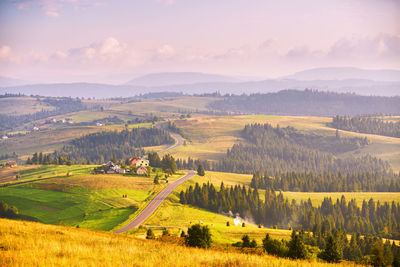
<point x="110" y="168"/>
<point x="10" y="164"/>
<point x="142" y="163"/>
<point x="132" y="161"/>
<point x="141" y="171"/>
<point x="4" y="137"/>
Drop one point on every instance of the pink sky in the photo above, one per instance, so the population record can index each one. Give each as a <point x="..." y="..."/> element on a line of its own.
<point x="114" y="41"/>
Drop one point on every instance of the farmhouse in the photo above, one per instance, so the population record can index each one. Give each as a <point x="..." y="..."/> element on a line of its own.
<point x="132" y="161"/>
<point x="110" y="167"/>
<point x="141" y="171"/>
<point x="142" y="163"/>
<point x="10" y="164"/>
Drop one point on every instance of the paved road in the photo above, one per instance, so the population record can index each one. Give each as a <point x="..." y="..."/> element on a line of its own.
<point x="177" y="137"/>
<point x="155" y="203"/>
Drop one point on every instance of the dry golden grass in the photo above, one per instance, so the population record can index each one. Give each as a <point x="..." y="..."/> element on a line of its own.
<point x="104" y="181"/>
<point x="34" y="244"/>
<point x="9" y="174"/>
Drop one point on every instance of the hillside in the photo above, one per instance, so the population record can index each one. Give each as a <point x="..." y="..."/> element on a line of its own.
<point x="173" y="78"/>
<point x="35" y="244"/>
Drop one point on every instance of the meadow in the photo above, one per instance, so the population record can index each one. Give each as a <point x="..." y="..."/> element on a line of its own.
<point x="72" y="196"/>
<point x="35" y="244"/>
<point x="22" y="105"/>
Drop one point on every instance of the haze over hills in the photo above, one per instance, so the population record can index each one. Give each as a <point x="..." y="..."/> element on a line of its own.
<point x="351" y="80"/>
<point x="8" y="81"/>
<point x="346" y="73"/>
<point x="173" y="78"/>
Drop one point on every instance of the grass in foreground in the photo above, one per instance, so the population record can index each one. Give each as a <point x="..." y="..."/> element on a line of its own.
<point x="35" y="244"/>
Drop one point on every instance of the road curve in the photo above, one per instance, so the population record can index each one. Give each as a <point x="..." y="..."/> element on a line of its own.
<point x="155" y="203"/>
<point x="177" y="137"/>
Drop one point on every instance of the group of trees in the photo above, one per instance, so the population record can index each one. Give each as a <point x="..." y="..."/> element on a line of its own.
<point x="366" y="124"/>
<point x="276" y="211"/>
<point x="327" y="182"/>
<point x="307" y="102"/>
<point x="334" y="246"/>
<point x="49" y="159"/>
<point x="95" y="148"/>
<point x="275" y="149"/>
<point x="8" y="212"/>
<point x="167" y="163"/>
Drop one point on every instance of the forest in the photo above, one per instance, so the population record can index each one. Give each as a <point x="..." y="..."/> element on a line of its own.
<point x="366" y="124"/>
<point x="327" y="182"/>
<point x="276" y="149"/>
<point x="276" y="211"/>
<point x="308" y="102"/>
<point x="97" y="148"/>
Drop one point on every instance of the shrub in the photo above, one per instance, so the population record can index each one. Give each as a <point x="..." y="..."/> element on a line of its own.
<point x="199" y="236"/>
<point x="150" y="234"/>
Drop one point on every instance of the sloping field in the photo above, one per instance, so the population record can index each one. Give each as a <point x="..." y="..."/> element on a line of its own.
<point x="35" y="244"/>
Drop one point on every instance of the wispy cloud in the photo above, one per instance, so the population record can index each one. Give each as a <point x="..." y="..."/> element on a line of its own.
<point x="53" y="8"/>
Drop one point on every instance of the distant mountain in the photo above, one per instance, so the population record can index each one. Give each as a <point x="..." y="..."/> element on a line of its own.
<point x="346" y="74"/>
<point x="7" y="81"/>
<point x="361" y="87"/>
<point x="173" y="78"/>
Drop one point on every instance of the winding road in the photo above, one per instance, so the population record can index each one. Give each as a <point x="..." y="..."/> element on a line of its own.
<point x="177" y="137"/>
<point x="157" y="200"/>
<point x="155" y="203"/>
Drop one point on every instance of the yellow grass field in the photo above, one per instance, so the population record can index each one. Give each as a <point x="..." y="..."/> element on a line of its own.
<point x="35" y="244"/>
<point x="318" y="197"/>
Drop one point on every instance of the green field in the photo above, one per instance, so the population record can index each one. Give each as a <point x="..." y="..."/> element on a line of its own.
<point x="90" y="201"/>
<point x="22" y="105"/>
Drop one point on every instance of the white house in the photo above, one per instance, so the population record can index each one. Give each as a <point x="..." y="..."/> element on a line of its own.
<point x="142" y="163"/>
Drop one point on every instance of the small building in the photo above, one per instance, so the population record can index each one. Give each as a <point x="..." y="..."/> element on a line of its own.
<point x="10" y="164"/>
<point x="99" y="124"/>
<point x="4" y="137"/>
<point x="35" y="128"/>
<point x="132" y="161"/>
<point x="141" y="171"/>
<point x="142" y="163"/>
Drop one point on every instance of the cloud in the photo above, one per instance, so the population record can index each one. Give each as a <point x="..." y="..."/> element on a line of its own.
<point x="165" y="52"/>
<point x="108" y="49"/>
<point x="381" y="46"/>
<point x="166" y="2"/>
<point x="52" y="8"/>
<point x="5" y="52"/>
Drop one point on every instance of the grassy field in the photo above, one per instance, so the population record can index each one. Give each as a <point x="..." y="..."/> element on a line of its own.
<point x="90" y="201"/>
<point x="35" y="244"/>
<point x="22" y="105"/>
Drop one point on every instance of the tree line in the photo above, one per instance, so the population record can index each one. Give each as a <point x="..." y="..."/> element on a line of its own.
<point x="382" y="219"/>
<point x="327" y="182"/>
<point x="275" y="149"/>
<point x="366" y="124"/>
<point x="334" y="246"/>
<point x="99" y="147"/>
<point x="308" y="102"/>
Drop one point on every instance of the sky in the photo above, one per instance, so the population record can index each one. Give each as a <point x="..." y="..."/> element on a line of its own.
<point x="113" y="41"/>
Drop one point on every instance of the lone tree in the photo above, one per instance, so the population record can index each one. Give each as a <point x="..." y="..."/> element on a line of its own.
<point x="333" y="251"/>
<point x="199" y="236"/>
<point x="297" y="249"/>
<point x="150" y="234"/>
<point x="200" y="170"/>
<point x="245" y="241"/>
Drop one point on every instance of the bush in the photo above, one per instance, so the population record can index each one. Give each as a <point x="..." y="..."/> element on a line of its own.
<point x="150" y="234"/>
<point x="199" y="236"/>
<point x="165" y="232"/>
<point x="274" y="247"/>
